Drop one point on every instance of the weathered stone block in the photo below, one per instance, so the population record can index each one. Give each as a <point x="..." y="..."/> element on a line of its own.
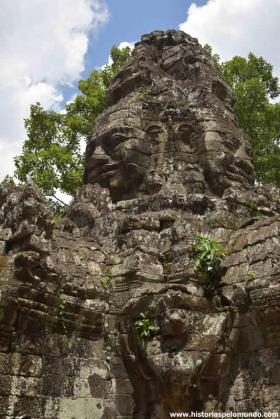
<point x="5" y="367"/>
<point x="5" y="385"/>
<point x="124" y="405"/>
<point x="4" y="405"/>
<point x="4" y="261"/>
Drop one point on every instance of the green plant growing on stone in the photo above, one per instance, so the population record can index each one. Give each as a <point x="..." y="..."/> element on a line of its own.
<point x="251" y="274"/>
<point x="211" y="254"/>
<point x="142" y="93"/>
<point x="107" y="278"/>
<point x="253" y="206"/>
<point x="144" y="326"/>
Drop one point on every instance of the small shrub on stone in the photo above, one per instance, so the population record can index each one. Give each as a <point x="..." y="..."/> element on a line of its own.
<point x="142" y="94"/>
<point x="145" y="327"/>
<point x="106" y="279"/>
<point x="251" y="274"/>
<point x="211" y="254"/>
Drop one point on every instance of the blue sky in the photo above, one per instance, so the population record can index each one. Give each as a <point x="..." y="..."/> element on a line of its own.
<point x="47" y="46"/>
<point x="128" y="20"/>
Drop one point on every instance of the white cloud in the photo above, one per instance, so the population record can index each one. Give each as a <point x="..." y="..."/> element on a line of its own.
<point x="125" y="44"/>
<point x="43" y="46"/>
<point x="236" y="27"/>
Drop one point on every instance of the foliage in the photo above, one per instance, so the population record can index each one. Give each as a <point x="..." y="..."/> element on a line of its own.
<point x="211" y="253"/>
<point x="144" y="326"/>
<point x="58" y="209"/>
<point x="106" y="279"/>
<point x="9" y="179"/>
<point x="85" y="108"/>
<point x="51" y="155"/>
<point x="240" y="69"/>
<point x="254" y="86"/>
<point x="142" y="94"/>
<point x="215" y="57"/>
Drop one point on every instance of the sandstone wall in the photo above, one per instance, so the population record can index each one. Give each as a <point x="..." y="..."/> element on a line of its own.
<point x="165" y="162"/>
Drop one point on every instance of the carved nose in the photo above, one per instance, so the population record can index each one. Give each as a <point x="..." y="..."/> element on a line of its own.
<point x="99" y="157"/>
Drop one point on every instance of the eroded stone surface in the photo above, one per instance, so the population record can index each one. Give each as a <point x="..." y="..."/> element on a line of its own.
<point x="166" y="161"/>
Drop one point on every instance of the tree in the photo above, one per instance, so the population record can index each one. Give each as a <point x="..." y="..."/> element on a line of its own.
<point x="215" y="57"/>
<point x="254" y="86"/>
<point x="84" y="109"/>
<point x="51" y="155"/>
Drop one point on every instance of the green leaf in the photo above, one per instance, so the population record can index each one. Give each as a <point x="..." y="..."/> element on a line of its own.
<point x="144" y="326"/>
<point x="210" y="255"/>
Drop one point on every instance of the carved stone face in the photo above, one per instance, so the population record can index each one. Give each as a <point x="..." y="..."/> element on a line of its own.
<point x="119" y="157"/>
<point x="224" y="156"/>
<point x="128" y="154"/>
<point x="137" y="151"/>
<point x="171" y="138"/>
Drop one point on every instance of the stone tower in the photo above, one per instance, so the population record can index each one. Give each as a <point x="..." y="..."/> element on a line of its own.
<point x="165" y="162"/>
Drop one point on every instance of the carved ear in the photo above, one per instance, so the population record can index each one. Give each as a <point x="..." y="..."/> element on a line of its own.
<point x="220" y="90"/>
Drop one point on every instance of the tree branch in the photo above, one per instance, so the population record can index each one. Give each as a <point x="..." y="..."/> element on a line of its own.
<point x="59" y="200"/>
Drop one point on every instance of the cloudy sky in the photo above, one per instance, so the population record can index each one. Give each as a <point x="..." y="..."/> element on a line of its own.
<point x="46" y="46"/>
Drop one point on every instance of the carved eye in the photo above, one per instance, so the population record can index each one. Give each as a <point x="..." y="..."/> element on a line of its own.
<point x="118" y="139"/>
<point x="185" y="132"/>
<point x="154" y="132"/>
<point x="110" y="142"/>
<point x="185" y="128"/>
<point x="154" y="129"/>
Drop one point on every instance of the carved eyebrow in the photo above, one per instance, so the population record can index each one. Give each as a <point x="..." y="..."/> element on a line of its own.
<point x="117" y="134"/>
<point x="185" y="126"/>
<point x="126" y="128"/>
<point x="155" y="128"/>
<point x="114" y="131"/>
